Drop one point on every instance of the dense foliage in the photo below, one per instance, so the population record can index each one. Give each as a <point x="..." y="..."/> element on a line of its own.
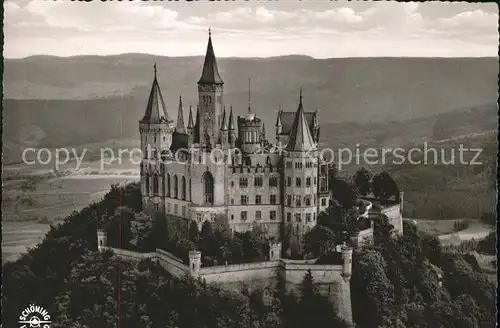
<point x="409" y="281"/>
<point x="81" y="287"/>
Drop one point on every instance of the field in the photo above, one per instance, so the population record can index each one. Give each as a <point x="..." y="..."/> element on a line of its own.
<point x="24" y="225"/>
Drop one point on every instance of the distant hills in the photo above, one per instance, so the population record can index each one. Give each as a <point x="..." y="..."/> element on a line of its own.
<point x="83" y="99"/>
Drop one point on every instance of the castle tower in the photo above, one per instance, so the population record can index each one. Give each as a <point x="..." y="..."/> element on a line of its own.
<point x="300" y="176"/>
<point x="194" y="263"/>
<point x="279" y="124"/>
<point x="190" y="128"/>
<point x="347" y="262"/>
<point x="224" y="131"/>
<point x="210" y="92"/>
<point x="156" y="129"/>
<point x="249" y="129"/>
<point x="180" y="119"/>
<point x="232" y="130"/>
<point x="102" y="239"/>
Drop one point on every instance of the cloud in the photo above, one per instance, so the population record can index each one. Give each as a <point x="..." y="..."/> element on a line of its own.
<point x="248" y="28"/>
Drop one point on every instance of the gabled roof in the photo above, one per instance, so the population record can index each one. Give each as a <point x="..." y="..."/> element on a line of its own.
<point x="210" y="73"/>
<point x="180" y="118"/>
<point x="156" y="111"/>
<point x="300" y="138"/>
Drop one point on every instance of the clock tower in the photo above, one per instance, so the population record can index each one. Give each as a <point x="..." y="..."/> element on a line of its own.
<point x="210" y="92"/>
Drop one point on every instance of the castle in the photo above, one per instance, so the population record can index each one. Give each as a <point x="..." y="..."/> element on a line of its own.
<point x="223" y="167"/>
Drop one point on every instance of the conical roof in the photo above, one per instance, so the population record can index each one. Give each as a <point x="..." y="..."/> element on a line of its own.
<point x="180" y="118"/>
<point x="190" y="120"/>
<point x="300" y="138"/>
<point x="156" y="111"/>
<point x="224" y="125"/>
<point x="231" y="120"/>
<point x="210" y="73"/>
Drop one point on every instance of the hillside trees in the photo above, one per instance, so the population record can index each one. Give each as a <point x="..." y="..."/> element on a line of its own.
<point x="362" y="181"/>
<point x="384" y="187"/>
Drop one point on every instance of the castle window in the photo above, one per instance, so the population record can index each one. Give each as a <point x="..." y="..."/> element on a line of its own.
<point x="272" y="199"/>
<point x="232" y="182"/>
<point x="176" y="208"/>
<point x="308" y="217"/>
<point x="273" y="182"/>
<point x="322" y="184"/>
<point x="288" y="165"/>
<point x="232" y="217"/>
<point x="183" y="188"/>
<point x="164" y="138"/>
<point x="308" y="182"/>
<point x="272" y="215"/>
<point x="167" y="190"/>
<point x="244" y="200"/>
<point x="154" y="138"/>
<point x="232" y="201"/>
<point x="297" y="201"/>
<point x="288" y="217"/>
<point x="243" y="182"/>
<point x="323" y="201"/>
<point x="243" y="215"/>
<point x="169" y="207"/>
<point x="298" y="182"/>
<point x="308" y="201"/>
<point x="176" y="187"/>
<point x="183" y="210"/>
<point x="208" y="188"/>
<point x="258" y="181"/>
<point x="155" y="185"/>
<point x="297" y="218"/>
<point x="289" y="200"/>
<point x="258" y="199"/>
<point x="315" y="181"/>
<point x="258" y="215"/>
<point x="289" y="181"/>
<point x="314" y="217"/>
<point x="198" y="217"/>
<point x="156" y="207"/>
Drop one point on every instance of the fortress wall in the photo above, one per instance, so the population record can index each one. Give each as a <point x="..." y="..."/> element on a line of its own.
<point x="171" y="264"/>
<point x="237" y="273"/>
<point x="365" y="237"/>
<point x="129" y="255"/>
<point x="294" y="272"/>
<point x="395" y="217"/>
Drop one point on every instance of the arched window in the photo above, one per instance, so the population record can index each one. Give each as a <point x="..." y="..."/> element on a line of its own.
<point x="208" y="188"/>
<point x="167" y="192"/>
<point x="183" y="188"/>
<point x="163" y="185"/>
<point x="156" y="185"/>
<point x="176" y="187"/>
<point x="147" y="183"/>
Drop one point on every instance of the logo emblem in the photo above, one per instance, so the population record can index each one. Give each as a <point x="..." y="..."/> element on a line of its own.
<point x="34" y="316"/>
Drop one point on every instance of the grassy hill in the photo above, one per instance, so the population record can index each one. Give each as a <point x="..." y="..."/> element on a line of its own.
<point x="84" y="99"/>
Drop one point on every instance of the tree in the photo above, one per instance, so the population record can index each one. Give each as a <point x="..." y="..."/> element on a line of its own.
<point x="193" y="234"/>
<point x="142" y="230"/>
<point x="362" y="181"/>
<point x="319" y="240"/>
<point x="344" y="193"/>
<point x="183" y="248"/>
<point x="384" y="186"/>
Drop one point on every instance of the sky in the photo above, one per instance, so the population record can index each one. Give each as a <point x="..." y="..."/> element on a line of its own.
<point x="321" y="29"/>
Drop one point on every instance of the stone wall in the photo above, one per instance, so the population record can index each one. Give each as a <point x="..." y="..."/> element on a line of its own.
<point x="395" y="217"/>
<point x="171" y="264"/>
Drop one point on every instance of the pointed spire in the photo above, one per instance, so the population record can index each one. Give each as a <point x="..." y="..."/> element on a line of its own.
<point x="190" y="119"/>
<point x="249" y="96"/>
<point x="300" y="138"/>
<point x="231" y="119"/>
<point x="263" y="129"/>
<point x="156" y="111"/>
<point x="278" y="117"/>
<point x="224" y="120"/>
<point x="210" y="73"/>
<point x="180" y="118"/>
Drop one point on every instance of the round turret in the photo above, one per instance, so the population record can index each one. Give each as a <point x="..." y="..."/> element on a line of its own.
<point x="102" y="239"/>
<point x="194" y="263"/>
